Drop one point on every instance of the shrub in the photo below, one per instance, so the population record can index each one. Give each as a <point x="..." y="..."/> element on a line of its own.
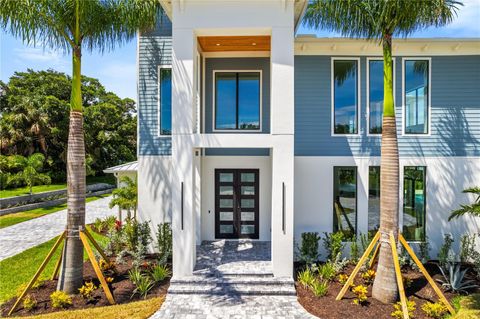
<point x="360" y="292"/>
<point x="454" y="279"/>
<point x="134" y="275"/>
<point x="334" y="245"/>
<point x="342" y="279"/>
<point x="424" y="248"/>
<point x="407" y="282"/>
<point x="319" y="287"/>
<point x="137" y="233"/>
<point x="354" y="252"/>
<point x="398" y="313"/>
<point x="98" y="225"/>
<point x="327" y="271"/>
<point x="368" y="276"/>
<point x="143" y="286"/>
<point x="29" y="303"/>
<point x="434" y="310"/>
<point x="107" y="266"/>
<point x="444" y="254"/>
<point x="160" y="272"/>
<point x="468" y="253"/>
<point x="308" y="250"/>
<point x="164" y="242"/>
<point x="87" y="290"/>
<point x="306" y="277"/>
<point x="60" y="299"/>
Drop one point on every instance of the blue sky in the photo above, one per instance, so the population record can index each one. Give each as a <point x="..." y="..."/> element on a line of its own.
<point x="117" y="69"/>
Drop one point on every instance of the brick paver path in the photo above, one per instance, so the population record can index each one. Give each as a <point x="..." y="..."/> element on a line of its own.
<point x="19" y="237"/>
<point x="232" y="279"/>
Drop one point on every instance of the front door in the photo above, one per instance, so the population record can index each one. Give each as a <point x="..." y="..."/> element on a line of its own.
<point x="236" y="203"/>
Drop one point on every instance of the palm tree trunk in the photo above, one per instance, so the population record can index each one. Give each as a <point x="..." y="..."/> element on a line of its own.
<point x="385" y="285"/>
<point x="72" y="267"/>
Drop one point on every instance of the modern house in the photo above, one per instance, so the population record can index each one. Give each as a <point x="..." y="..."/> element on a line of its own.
<point x="248" y="130"/>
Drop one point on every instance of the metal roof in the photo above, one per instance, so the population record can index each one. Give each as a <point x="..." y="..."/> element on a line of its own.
<point x="127" y="167"/>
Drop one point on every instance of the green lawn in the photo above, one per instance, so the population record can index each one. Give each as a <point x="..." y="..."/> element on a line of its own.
<point x="109" y="179"/>
<point x="15" y="218"/>
<point x="19" y="269"/>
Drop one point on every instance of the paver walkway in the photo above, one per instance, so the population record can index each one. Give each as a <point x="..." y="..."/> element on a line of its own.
<point x="232" y="279"/>
<point x="22" y="236"/>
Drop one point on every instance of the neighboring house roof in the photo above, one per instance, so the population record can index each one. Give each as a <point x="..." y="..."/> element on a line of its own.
<point x="127" y="167"/>
<point x="300" y="6"/>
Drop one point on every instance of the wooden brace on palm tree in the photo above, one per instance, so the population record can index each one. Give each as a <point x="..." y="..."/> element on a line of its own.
<point x="393" y="245"/>
<point x="85" y="236"/>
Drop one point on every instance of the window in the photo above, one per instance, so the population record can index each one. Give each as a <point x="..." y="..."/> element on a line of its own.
<point x="345" y="96"/>
<point x="373" y="199"/>
<point x="345" y="201"/>
<point x="375" y="94"/>
<point x="237" y="100"/>
<point x="414" y="203"/>
<point x="165" y="100"/>
<point x="416" y="96"/>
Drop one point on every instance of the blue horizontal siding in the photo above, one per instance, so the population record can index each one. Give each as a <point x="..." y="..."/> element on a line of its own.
<point x="455" y="111"/>
<point x="237" y="152"/>
<point x="218" y="64"/>
<point x="155" y="49"/>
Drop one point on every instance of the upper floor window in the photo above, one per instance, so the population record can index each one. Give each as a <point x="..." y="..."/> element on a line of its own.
<point x="345" y="96"/>
<point x="375" y="94"/>
<point x="165" y="100"/>
<point x="237" y="100"/>
<point x="416" y="96"/>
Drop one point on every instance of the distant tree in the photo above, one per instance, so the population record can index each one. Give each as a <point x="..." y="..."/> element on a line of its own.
<point x="468" y="209"/>
<point x="125" y="197"/>
<point x="31" y="168"/>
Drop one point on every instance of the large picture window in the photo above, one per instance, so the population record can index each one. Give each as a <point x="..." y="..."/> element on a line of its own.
<point x="237" y="100"/>
<point x="414" y="203"/>
<point x="416" y="96"/>
<point x="345" y="96"/>
<point x="345" y="200"/>
<point x="165" y="100"/>
<point x="373" y="199"/>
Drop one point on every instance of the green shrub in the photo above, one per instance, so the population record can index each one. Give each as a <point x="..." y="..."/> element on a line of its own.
<point x="143" y="286"/>
<point x="29" y="303"/>
<point x="434" y="310"/>
<point x="354" y="252"/>
<point x="319" y="287"/>
<point x="137" y="233"/>
<point x="308" y="250"/>
<point x="398" y="313"/>
<point x="164" y="242"/>
<point x="333" y="243"/>
<point x="134" y="275"/>
<point x="468" y="253"/>
<point x="424" y="248"/>
<point x="445" y="254"/>
<point x="306" y="277"/>
<point x="60" y="299"/>
<point x="160" y="272"/>
<point x="327" y="271"/>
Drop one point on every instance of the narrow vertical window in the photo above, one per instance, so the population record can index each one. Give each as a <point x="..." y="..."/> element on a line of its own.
<point x="237" y="100"/>
<point x="345" y="200"/>
<point x="373" y="199"/>
<point x="414" y="203"/>
<point x="375" y="96"/>
<point x="165" y="101"/>
<point x="416" y="93"/>
<point x="345" y="96"/>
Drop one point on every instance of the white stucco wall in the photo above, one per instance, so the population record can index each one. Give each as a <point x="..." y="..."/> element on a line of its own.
<point x="446" y="178"/>
<point x="209" y="164"/>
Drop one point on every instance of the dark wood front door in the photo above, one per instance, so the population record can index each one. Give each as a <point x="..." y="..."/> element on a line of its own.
<point x="236" y="203"/>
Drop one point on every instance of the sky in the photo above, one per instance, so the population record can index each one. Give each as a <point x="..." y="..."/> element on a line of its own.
<point x="116" y="70"/>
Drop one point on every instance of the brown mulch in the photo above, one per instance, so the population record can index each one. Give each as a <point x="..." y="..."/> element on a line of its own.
<point x="328" y="308"/>
<point x="121" y="288"/>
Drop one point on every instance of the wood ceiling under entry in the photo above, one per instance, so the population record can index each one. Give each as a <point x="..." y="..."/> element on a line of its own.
<point x="235" y="43"/>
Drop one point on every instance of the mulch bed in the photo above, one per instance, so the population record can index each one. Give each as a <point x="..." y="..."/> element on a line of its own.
<point x="122" y="290"/>
<point x="328" y="308"/>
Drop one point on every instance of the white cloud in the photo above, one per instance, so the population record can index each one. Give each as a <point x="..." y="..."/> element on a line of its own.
<point x="41" y="58"/>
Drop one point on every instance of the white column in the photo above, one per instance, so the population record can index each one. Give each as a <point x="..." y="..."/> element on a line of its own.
<point x="183" y="219"/>
<point x="282" y="129"/>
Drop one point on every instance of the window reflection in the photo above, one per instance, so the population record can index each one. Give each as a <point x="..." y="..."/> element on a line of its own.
<point x="373" y="199"/>
<point x="375" y="96"/>
<point x="345" y="96"/>
<point x="416" y="96"/>
<point x="345" y="201"/>
<point x="414" y="203"/>
<point x="165" y="101"/>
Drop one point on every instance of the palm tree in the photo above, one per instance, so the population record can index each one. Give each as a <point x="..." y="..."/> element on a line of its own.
<point x="468" y="209"/>
<point x="125" y="197"/>
<point x="31" y="170"/>
<point x="71" y="25"/>
<point x="379" y="21"/>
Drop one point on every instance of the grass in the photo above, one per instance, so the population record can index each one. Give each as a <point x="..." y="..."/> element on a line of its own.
<point x="15" y="218"/>
<point x="109" y="179"/>
<point x="19" y="269"/>
<point x="467" y="307"/>
<point x="134" y="310"/>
